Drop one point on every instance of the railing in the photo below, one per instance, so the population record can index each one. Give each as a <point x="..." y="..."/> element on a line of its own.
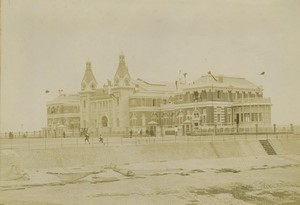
<point x="229" y="130"/>
<point x="252" y="100"/>
<point x="94" y="142"/>
<point x="45" y="140"/>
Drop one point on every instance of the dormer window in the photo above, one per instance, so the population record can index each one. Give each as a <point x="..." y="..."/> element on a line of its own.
<point x="83" y="86"/>
<point x="126" y="82"/>
<point x="116" y="82"/>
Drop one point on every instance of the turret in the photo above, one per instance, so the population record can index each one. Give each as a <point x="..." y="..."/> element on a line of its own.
<point x="88" y="82"/>
<point x="122" y="76"/>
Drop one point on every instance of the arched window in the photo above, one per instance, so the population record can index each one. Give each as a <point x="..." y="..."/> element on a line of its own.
<point x="116" y="82"/>
<point x="180" y="117"/>
<point x="196" y="114"/>
<point x="218" y="94"/>
<point x="165" y="118"/>
<point x="133" y="119"/>
<point x="154" y="117"/>
<point x="104" y="121"/>
<point x="126" y="82"/>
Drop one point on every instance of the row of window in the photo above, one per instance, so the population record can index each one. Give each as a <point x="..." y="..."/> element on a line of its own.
<point x="251" y="117"/>
<point x="100" y="105"/>
<point x="147" y="102"/>
<point x="63" y="109"/>
<point x="218" y="94"/>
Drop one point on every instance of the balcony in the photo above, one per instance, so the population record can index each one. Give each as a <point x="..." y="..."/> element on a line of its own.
<point x="252" y="101"/>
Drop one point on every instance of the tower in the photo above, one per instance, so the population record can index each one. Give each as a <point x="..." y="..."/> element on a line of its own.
<point x="122" y="89"/>
<point x="88" y="87"/>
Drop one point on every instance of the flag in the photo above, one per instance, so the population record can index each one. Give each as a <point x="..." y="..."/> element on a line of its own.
<point x="209" y="72"/>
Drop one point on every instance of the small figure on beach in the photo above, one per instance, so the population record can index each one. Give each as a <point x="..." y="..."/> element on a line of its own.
<point x="101" y="139"/>
<point x="141" y="132"/>
<point x="87" y="138"/>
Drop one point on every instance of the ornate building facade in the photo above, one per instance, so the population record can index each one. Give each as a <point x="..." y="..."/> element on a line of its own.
<point x="210" y="102"/>
<point x="63" y="115"/>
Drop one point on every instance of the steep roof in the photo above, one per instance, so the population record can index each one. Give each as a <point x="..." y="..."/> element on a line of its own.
<point x="122" y="70"/>
<point x="88" y="75"/>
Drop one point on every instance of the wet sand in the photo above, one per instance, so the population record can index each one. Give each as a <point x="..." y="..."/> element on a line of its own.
<point x="247" y="180"/>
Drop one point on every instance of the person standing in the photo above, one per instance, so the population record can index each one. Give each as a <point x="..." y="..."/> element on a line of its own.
<point x="101" y="139"/>
<point x="141" y="133"/>
<point x="87" y="138"/>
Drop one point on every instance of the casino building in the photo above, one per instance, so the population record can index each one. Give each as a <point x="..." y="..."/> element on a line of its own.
<point x="210" y="102"/>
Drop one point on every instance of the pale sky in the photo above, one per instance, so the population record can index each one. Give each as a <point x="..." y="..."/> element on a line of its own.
<point x="45" y="45"/>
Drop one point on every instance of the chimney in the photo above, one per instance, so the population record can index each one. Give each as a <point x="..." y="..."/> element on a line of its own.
<point x="220" y="78"/>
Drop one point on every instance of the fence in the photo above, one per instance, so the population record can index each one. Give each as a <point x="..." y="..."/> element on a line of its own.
<point x="68" y="142"/>
<point x="214" y="130"/>
<point x="204" y="130"/>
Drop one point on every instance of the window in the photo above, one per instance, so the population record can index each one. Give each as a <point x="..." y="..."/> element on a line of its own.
<point x="229" y="118"/>
<point x="180" y="117"/>
<point x="118" y="122"/>
<point x="133" y="102"/>
<point x="116" y="82"/>
<point x="219" y="118"/>
<point x="104" y="121"/>
<point x="218" y="94"/>
<point x="153" y="102"/>
<point x="196" y="95"/>
<point x="154" y="117"/>
<point x="204" y="119"/>
<point x="84" y="104"/>
<point x="165" y="119"/>
<point x="187" y="128"/>
<point x="143" y="120"/>
<point x="204" y="95"/>
<point x="196" y="115"/>
<point x="133" y="119"/>
<point x="247" y="117"/>
<point x="260" y="116"/>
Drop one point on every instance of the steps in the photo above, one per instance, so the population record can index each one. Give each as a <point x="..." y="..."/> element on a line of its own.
<point x="267" y="147"/>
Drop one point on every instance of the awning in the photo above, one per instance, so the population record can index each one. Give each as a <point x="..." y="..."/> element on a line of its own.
<point x="187" y="122"/>
<point x="152" y="123"/>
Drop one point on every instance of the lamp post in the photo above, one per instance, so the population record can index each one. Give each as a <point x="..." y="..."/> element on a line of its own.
<point x="46" y="129"/>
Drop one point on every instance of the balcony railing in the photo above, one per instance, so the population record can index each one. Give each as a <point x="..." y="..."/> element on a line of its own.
<point x="252" y="100"/>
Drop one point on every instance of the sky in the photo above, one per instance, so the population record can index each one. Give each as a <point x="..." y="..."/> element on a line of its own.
<point x="45" y="44"/>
